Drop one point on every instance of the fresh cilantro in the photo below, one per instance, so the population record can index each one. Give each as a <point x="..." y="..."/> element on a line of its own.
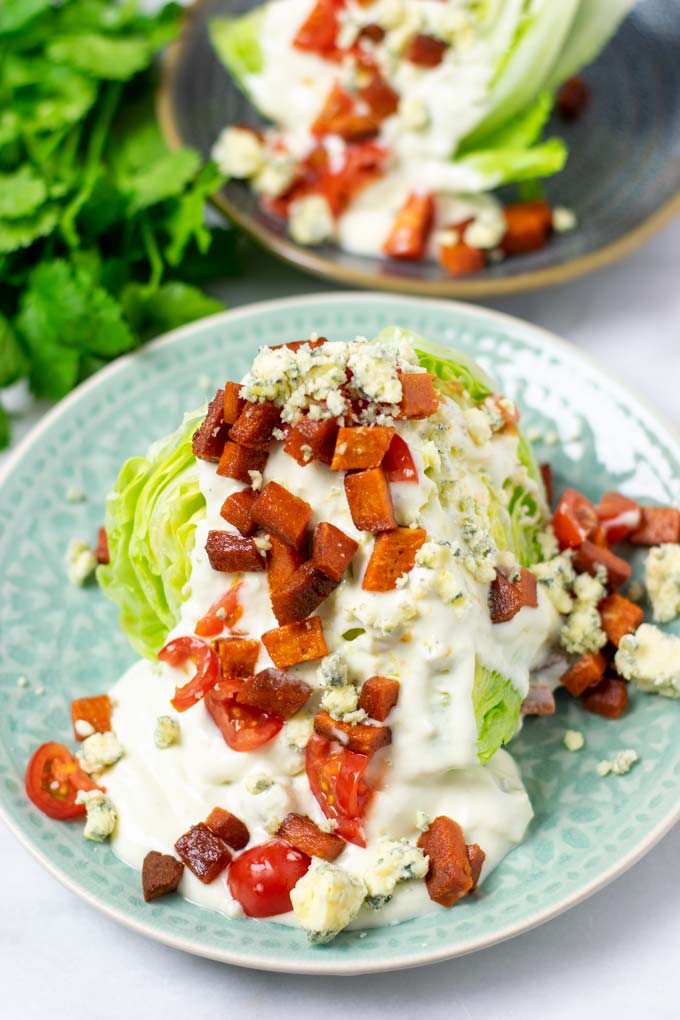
<point x="13" y="364"/>
<point x="100" y="55"/>
<point x="151" y="311"/>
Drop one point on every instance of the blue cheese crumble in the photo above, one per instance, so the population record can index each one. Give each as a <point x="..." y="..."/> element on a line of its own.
<point x="326" y="899"/>
<point x="651" y="660"/>
<point x="394" y="861"/>
<point x="81" y="562"/>
<point x="662" y="580"/>
<point x="99" y="751"/>
<point x="583" y="630"/>
<point x="619" y="764"/>
<point x="102" y="816"/>
<point x="166" y="733"/>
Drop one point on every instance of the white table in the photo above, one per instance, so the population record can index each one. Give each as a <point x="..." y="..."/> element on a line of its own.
<point x="614" y="956"/>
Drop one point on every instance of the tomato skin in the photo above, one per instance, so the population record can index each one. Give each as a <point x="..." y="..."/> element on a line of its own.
<point x="336" y="779"/>
<point x="261" y="879"/>
<point x="176" y="653"/>
<point x="574" y="519"/>
<point x="619" y="516"/>
<point x="244" y="728"/>
<point x="398" y="464"/>
<point x="211" y="624"/>
<point x="54" y="763"/>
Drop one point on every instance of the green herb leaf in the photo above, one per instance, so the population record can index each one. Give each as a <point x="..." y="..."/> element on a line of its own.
<point x="5" y="428"/>
<point x="152" y="311"/>
<point x="101" y="56"/>
<point x="16" y="14"/>
<point x="21" y="193"/>
<point x="22" y="232"/>
<point x="13" y="363"/>
<point x="185" y="221"/>
<point x="353" y="633"/>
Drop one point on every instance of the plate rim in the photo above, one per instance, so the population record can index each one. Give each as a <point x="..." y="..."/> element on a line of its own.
<point x="338" y="967"/>
<point x="326" y="268"/>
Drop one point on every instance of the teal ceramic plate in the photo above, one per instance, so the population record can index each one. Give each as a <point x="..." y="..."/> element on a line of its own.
<point x="587" y="830"/>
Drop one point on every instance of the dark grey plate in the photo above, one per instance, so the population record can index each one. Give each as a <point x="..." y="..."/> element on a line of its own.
<point x="622" y="177"/>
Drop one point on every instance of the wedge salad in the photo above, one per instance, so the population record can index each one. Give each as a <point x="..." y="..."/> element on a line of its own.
<point x="347" y="590"/>
<point x="390" y="123"/>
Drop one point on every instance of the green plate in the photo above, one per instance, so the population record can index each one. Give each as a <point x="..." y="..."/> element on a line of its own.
<point x="587" y="830"/>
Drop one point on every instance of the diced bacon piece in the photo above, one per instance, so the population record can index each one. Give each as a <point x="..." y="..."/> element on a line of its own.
<point x="95" y="711"/>
<point x="609" y="698"/>
<point x="379" y="96"/>
<point x="527" y="226"/>
<point x="658" y="525"/>
<point x="312" y="440"/>
<point x="426" y="50"/>
<point x="461" y="259"/>
<point x="332" y="550"/>
<point x="306" y="836"/>
<point x="203" y="852"/>
<point x="450" y="874"/>
<point x="506" y="598"/>
<point x="394" y="553"/>
<point x="233" y="402"/>
<point x="476" y="857"/>
<point x="586" y="672"/>
<point x="619" y="516"/>
<point x="302" y="593"/>
<point x="342" y="115"/>
<point x="318" y="33"/>
<point x="369" y="500"/>
<point x="358" y="737"/>
<point x="161" y="874"/>
<point x="374" y="33"/>
<point x="208" y="440"/>
<point x="282" y="561"/>
<point x="547" y="476"/>
<point x="589" y="556"/>
<point x="379" y="695"/>
<point x="296" y="642"/>
<point x="572" y="98"/>
<point x="361" y="447"/>
<point x="411" y="228"/>
<point x="101" y="550"/>
<point x="236" y="461"/>
<point x="539" y="701"/>
<point x="282" y="514"/>
<point x="254" y="426"/>
<point x="619" y="616"/>
<point x="231" y="553"/>
<point x="419" y="398"/>
<point x="275" y="691"/>
<point x="238" y="656"/>
<point x="237" y="509"/>
<point x="229" y="828"/>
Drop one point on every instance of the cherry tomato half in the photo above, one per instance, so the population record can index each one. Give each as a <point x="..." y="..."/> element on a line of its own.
<point x="244" y="728"/>
<point x="261" y="879"/>
<point x="398" y="463"/>
<point x="574" y="519"/>
<point x="53" y="779"/>
<point x="619" y="516"/>
<point x="176" y="653"/>
<point x="336" y="778"/>
<point x="225" y="611"/>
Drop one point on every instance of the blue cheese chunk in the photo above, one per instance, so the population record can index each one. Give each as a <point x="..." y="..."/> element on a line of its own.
<point x="238" y="152"/>
<point x="394" y="861"/>
<point x="99" y="752"/>
<point x="102" y="816"/>
<point x="310" y="220"/>
<point x="166" y="733"/>
<point x="651" y="659"/>
<point x="583" y="630"/>
<point x="81" y="562"/>
<point x="326" y="900"/>
<point x="662" y="580"/>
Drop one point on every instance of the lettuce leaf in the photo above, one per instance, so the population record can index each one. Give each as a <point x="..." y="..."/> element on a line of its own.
<point x="512" y="165"/>
<point x="237" y="44"/>
<point x="151" y="516"/>
<point x="497" y="706"/>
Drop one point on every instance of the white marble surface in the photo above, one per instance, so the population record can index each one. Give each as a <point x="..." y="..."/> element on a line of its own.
<point x="613" y="956"/>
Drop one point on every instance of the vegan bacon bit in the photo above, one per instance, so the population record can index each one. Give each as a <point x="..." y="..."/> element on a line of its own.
<point x="379" y="695"/>
<point x="227" y="827"/>
<point x="572" y="98"/>
<point x="608" y="699"/>
<point x="506" y="598"/>
<point x="282" y="514"/>
<point x="408" y="237"/>
<point x="394" y="554"/>
<point x="425" y="50"/>
<point x="282" y="561"/>
<point x="547" y="478"/>
<point x="254" y="426"/>
<point x="476" y="857"/>
<point x="419" y="398"/>
<point x="369" y="500"/>
<point x="296" y="642"/>
<point x="450" y="873"/>
<point x="208" y="440"/>
<point x="461" y="259"/>
<point x="527" y="226"/>
<point x="232" y="554"/>
<point x="301" y="593"/>
<point x="589" y="556"/>
<point x="161" y="874"/>
<point x="357" y="737"/>
<point x="237" y="509"/>
<point x="203" y="852"/>
<point x="275" y="691"/>
<point x="658" y="526"/>
<point x="238" y="656"/>
<point x="310" y="440"/>
<point x="586" y="672"/>
<point x="332" y="550"/>
<point x="233" y="402"/>
<point x="237" y="461"/>
<point x="361" y="447"/>
<point x="101" y="551"/>
<point x="539" y="701"/>
<point x="379" y="96"/>
<point x="619" y="617"/>
<point x="95" y="711"/>
<point x="306" y="836"/>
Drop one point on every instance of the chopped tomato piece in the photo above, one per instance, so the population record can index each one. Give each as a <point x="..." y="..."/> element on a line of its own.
<point x="225" y="611"/>
<point x="306" y="836"/>
<point x="379" y="96"/>
<point x="261" y="879"/>
<point x="527" y="226"/>
<point x="340" y="115"/>
<point x="336" y="779"/>
<point x="398" y="463"/>
<point x="96" y="711"/>
<point x="618" y="515"/>
<point x="101" y="550"/>
<point x="53" y="780"/>
<point x="619" y="617"/>
<point x="450" y="875"/>
<point x="574" y="519"/>
<point x="506" y="597"/>
<point x="586" y="672"/>
<point x="244" y="728"/>
<point x="363" y="164"/>
<point x="318" y="33"/>
<point x="408" y="237"/>
<point x="176" y="653"/>
<point x="658" y="525"/>
<point x="609" y="698"/>
<point x="589" y="556"/>
<point x="426" y="50"/>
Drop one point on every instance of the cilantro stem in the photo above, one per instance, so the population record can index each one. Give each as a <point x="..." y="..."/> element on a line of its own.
<point x="152" y="251"/>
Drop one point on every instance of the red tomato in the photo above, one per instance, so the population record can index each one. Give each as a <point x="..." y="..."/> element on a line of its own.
<point x="318" y="33"/>
<point x="53" y="779"/>
<point x="398" y="463"/>
<point x="574" y="519"/>
<point x="244" y="728"/>
<point x="619" y="516"/>
<point x="207" y="664"/>
<point x="410" y="230"/>
<point x="225" y="611"/>
<point x="341" y="115"/>
<point x="336" y="778"/>
<point x="363" y="164"/>
<point x="261" y="879"/>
